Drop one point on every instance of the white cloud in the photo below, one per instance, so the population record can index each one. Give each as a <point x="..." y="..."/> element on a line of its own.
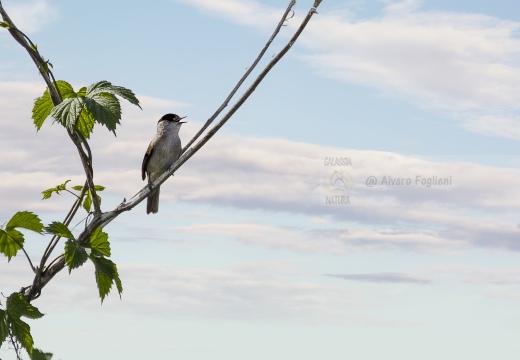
<point x="277" y="176"/>
<point x="255" y="291"/>
<point x="443" y="60"/>
<point x="327" y="240"/>
<point x="31" y="16"/>
<point x="497" y="125"/>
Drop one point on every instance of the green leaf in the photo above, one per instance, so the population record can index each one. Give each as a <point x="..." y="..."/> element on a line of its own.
<point x="42" y="109"/>
<point x="11" y="240"/>
<point x="101" y="102"/>
<point x="105" y="108"/>
<point x="65" y="89"/>
<point x="4" y="25"/>
<point x="106" y="87"/>
<point x="59" y="229"/>
<point x="10" y="243"/>
<point x="26" y="220"/>
<point x="87" y="203"/>
<point x="48" y="193"/>
<point x="67" y="113"/>
<point x="99" y="243"/>
<point x="78" y="187"/>
<point x="82" y="92"/>
<point x="85" y="123"/>
<point x="16" y="307"/>
<point x="22" y="332"/>
<point x="75" y="255"/>
<point x="106" y="275"/>
<point x="40" y="355"/>
<point x="4" y="327"/>
<point x="81" y="110"/>
<point x="43" y="106"/>
<point x="99" y="187"/>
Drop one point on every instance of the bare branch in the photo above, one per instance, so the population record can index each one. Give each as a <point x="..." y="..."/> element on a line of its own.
<point x="244" y="77"/>
<point x="35" y="55"/>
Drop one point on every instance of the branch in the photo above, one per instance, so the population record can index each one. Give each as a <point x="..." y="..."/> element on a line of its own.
<point x="35" y="55"/>
<point x="102" y="219"/>
<point x="241" y="81"/>
<point x="141" y="195"/>
<point x="86" y="160"/>
<point x="56" y="98"/>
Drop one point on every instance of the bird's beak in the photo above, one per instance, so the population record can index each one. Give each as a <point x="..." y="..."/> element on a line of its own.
<point x="182" y="122"/>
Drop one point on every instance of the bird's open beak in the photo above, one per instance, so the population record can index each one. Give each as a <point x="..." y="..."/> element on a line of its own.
<point x="182" y="122"/>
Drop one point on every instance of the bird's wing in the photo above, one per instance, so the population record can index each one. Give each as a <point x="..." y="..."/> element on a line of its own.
<point x="145" y="160"/>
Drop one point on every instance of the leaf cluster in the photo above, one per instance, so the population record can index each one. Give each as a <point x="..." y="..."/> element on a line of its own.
<point x="97" y="250"/>
<point x="87" y="199"/>
<point x="80" y="110"/>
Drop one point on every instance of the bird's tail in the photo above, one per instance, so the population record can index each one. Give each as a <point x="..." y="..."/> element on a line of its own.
<point x="152" y="203"/>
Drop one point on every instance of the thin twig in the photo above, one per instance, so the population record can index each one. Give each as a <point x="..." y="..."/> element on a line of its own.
<point x="37" y="58"/>
<point x="244" y="77"/>
<point x="87" y="165"/>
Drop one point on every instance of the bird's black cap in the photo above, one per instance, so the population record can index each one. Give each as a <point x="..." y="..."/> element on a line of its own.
<point x="172" y="117"/>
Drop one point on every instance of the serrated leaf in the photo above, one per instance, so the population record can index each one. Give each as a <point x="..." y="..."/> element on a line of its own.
<point x="59" y="229"/>
<point x="42" y="109"/>
<point x="26" y="220"/>
<point x="40" y="355"/>
<point x="4" y="327"/>
<point x="43" y="105"/>
<point x="106" y="87"/>
<point x="17" y="306"/>
<point x="87" y="203"/>
<point x="22" y="332"/>
<point x="85" y="123"/>
<point x="10" y="245"/>
<point x="75" y="255"/>
<point x="82" y="91"/>
<point x="99" y="243"/>
<point x="48" y="193"/>
<point x="11" y="240"/>
<point x="106" y="275"/>
<point x="67" y="113"/>
<point x="81" y="110"/>
<point x="65" y="89"/>
<point x="106" y="109"/>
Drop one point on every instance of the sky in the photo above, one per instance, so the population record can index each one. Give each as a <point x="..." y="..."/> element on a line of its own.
<point x="363" y="203"/>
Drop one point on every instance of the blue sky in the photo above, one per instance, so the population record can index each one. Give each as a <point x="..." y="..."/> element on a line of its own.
<point x="248" y="257"/>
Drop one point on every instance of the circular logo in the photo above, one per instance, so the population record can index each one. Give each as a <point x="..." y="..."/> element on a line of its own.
<point x="338" y="182"/>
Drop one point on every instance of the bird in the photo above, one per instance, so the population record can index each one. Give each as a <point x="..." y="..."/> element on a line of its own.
<point x="162" y="152"/>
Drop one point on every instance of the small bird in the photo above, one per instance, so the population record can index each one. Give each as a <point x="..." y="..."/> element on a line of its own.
<point x="162" y="152"/>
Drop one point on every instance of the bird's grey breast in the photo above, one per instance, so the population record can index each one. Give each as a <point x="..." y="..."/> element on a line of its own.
<point x="166" y="151"/>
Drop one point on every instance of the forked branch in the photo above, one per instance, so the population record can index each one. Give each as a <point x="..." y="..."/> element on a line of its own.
<point x="100" y="219"/>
